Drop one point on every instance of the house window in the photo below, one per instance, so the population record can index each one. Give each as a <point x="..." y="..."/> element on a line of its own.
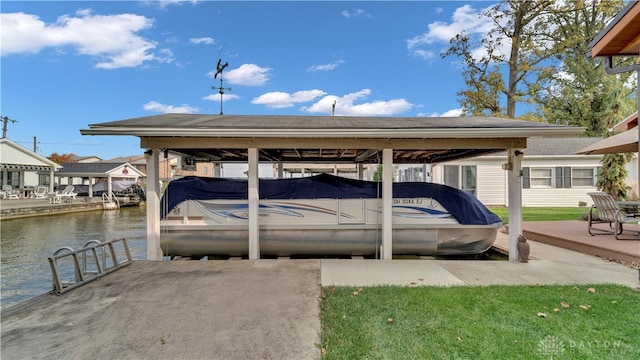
<point x="462" y="177"/>
<point x="558" y="177"/>
<point x="583" y="177"/>
<point x="541" y="177"/>
<point x="43" y="179"/>
<point x="13" y="179"/>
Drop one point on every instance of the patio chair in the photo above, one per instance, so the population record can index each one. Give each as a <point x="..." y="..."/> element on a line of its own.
<point x="9" y="193"/>
<point x="40" y="193"/>
<point x="605" y="209"/>
<point x="67" y="194"/>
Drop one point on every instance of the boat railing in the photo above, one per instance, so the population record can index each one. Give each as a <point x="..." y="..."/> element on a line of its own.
<point x="94" y="260"/>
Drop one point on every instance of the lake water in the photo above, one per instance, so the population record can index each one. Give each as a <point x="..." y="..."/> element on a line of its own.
<point x="25" y="245"/>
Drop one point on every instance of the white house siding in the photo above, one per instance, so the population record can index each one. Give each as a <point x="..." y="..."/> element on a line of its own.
<point x="492" y="180"/>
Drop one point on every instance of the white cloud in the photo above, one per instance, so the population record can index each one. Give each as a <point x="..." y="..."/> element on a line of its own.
<point x="246" y="74"/>
<point x="325" y="67"/>
<point x="165" y="3"/>
<point x="111" y="39"/>
<point x="155" y="106"/>
<point x="464" y="19"/>
<point x="449" y="113"/>
<point x="202" y="40"/>
<point x="346" y="105"/>
<point x="280" y="100"/>
<point x="356" y="13"/>
<point x="225" y="97"/>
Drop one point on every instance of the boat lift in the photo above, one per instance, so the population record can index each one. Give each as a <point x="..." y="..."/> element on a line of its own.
<point x="94" y="260"/>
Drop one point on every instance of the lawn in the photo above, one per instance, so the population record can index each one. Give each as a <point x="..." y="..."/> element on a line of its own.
<point x="544" y="214"/>
<point x="492" y="322"/>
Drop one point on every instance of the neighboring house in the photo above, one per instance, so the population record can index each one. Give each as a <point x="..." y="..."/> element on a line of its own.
<point x="21" y="167"/>
<point x="552" y="174"/>
<point x="86" y="159"/>
<point x="168" y="167"/>
<point x="93" y="173"/>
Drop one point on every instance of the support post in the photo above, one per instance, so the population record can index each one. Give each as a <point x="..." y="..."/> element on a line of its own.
<point x="387" y="204"/>
<point x="52" y="179"/>
<point x="154" y="252"/>
<point x="110" y="188"/>
<point x="253" y="196"/>
<point x="515" y="201"/>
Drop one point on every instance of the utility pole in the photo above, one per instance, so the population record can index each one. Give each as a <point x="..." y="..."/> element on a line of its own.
<point x="5" y="121"/>
<point x="219" y="68"/>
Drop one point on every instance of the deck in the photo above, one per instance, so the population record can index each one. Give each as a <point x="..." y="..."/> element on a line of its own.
<point x="573" y="235"/>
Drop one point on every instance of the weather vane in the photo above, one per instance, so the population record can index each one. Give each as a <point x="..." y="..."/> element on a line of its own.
<point x="219" y="68"/>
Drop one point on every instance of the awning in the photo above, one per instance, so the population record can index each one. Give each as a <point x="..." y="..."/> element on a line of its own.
<point x="19" y="167"/>
<point x="624" y="142"/>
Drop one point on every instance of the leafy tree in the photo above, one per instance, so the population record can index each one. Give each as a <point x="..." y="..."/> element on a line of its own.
<point x="612" y="175"/>
<point x="581" y="93"/>
<point x="61" y="158"/>
<point x="377" y="176"/>
<point x="515" y="23"/>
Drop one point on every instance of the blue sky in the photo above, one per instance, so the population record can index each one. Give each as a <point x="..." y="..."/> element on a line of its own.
<point x="68" y="64"/>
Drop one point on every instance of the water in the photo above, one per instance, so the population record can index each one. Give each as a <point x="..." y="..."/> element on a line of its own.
<point x="25" y="245"/>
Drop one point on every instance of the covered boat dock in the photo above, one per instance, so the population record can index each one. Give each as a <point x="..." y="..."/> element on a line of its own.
<point x="328" y="139"/>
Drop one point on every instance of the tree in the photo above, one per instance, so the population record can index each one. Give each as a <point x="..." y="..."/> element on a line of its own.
<point x="514" y="23"/>
<point x="580" y="92"/>
<point x="377" y="176"/>
<point x="61" y="158"/>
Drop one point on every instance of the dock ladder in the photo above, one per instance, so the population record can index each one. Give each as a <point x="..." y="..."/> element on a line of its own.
<point x="110" y="202"/>
<point x="94" y="260"/>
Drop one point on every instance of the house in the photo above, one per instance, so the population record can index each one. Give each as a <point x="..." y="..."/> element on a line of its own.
<point x="86" y="159"/>
<point x="552" y="174"/>
<point x="21" y="167"/>
<point x="83" y="175"/>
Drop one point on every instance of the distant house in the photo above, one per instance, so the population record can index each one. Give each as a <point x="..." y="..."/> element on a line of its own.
<point x="21" y="166"/>
<point x="89" y="174"/>
<point x="86" y="159"/>
<point x="552" y="174"/>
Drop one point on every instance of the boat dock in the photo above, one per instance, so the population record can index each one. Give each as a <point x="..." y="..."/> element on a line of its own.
<point x="17" y="208"/>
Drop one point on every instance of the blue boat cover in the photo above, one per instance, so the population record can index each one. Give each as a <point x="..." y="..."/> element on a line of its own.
<point x="463" y="206"/>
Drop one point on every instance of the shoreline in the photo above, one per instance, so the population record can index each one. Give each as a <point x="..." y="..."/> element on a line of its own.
<point x="22" y="208"/>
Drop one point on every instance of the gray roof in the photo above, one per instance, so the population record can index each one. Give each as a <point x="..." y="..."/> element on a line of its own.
<point x="557" y="146"/>
<point x="290" y="138"/>
<point x="88" y="168"/>
<point x="287" y="122"/>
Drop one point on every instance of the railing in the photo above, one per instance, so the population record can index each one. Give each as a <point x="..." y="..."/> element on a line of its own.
<point x="110" y="202"/>
<point x="94" y="260"/>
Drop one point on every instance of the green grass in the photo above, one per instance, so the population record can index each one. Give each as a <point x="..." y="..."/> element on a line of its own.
<point x="544" y="214"/>
<point x="493" y="322"/>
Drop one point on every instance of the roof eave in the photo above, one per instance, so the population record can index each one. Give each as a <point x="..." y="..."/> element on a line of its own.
<point x="341" y="133"/>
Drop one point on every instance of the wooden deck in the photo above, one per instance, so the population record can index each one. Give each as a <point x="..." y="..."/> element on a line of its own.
<point x="573" y="235"/>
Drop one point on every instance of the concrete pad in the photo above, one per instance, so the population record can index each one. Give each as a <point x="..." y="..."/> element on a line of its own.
<point x="351" y="272"/>
<point x="175" y="310"/>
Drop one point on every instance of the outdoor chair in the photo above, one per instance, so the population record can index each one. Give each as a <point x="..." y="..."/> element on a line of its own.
<point x="606" y="209"/>
<point x="9" y="193"/>
<point x="67" y="194"/>
<point x="40" y="193"/>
